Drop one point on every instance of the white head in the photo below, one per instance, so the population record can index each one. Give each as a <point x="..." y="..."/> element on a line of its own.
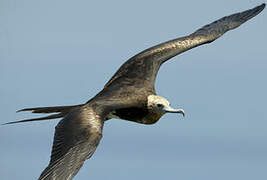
<point x="161" y="105"/>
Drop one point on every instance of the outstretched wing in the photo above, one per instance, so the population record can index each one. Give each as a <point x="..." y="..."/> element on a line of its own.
<point x="76" y="138"/>
<point x="141" y="70"/>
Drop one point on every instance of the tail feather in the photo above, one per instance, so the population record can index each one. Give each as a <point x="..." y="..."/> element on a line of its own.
<point x="60" y="110"/>
<point x="50" y="109"/>
<point x="53" y="116"/>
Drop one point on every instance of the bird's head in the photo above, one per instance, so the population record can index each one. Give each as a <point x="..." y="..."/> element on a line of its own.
<point x="161" y="105"/>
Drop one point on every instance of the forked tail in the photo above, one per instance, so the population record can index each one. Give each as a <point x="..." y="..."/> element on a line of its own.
<point x="60" y="111"/>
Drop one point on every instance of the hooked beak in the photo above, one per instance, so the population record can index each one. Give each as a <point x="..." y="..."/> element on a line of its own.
<point x="172" y="110"/>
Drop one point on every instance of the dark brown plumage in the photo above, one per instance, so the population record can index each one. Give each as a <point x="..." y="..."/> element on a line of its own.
<point x="128" y="95"/>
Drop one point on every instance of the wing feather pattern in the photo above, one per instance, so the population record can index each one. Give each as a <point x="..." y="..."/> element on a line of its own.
<point x="78" y="134"/>
<point x="76" y="138"/>
<point x="141" y="70"/>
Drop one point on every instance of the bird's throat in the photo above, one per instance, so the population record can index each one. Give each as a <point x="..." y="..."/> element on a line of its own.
<point x="151" y="118"/>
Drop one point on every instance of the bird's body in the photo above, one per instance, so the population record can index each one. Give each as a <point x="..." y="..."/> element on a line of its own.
<point x="145" y="114"/>
<point x="129" y="95"/>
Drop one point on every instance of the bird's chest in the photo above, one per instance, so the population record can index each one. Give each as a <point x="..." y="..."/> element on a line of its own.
<point x="151" y="118"/>
<point x="138" y="115"/>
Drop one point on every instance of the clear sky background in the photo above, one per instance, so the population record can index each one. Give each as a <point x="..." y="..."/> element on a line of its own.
<point x="62" y="52"/>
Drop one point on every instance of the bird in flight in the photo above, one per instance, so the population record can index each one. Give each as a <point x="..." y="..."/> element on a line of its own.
<point x="129" y="95"/>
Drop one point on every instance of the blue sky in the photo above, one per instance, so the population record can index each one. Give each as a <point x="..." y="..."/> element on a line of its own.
<point x="63" y="52"/>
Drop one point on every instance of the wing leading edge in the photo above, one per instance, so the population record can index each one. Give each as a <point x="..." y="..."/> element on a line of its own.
<point x="141" y="70"/>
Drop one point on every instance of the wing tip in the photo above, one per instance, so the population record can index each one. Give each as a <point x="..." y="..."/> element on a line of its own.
<point x="251" y="13"/>
<point x="244" y="16"/>
<point x="258" y="9"/>
<point x="262" y="5"/>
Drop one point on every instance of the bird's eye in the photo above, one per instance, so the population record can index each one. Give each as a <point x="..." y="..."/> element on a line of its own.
<point x="159" y="105"/>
